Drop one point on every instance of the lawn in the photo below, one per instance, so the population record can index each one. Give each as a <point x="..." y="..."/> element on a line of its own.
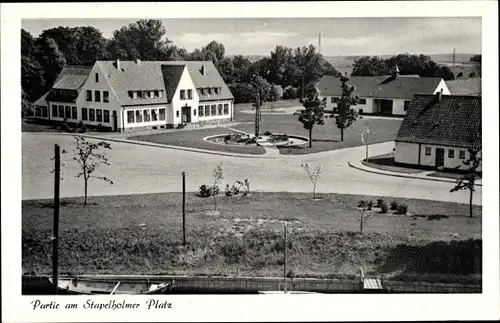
<point x="194" y="139"/>
<point x="327" y="136"/>
<point x="142" y="234"/>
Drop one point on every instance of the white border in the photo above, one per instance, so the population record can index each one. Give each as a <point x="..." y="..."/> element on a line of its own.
<point x="264" y="307"/>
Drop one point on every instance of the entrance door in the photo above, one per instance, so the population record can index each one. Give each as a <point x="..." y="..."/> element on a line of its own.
<point x="439" y="157"/>
<point x="186" y="114"/>
<point x="115" y="121"/>
<point x="386" y="106"/>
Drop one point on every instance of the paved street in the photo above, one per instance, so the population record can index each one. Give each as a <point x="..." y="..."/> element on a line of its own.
<point x="141" y="169"/>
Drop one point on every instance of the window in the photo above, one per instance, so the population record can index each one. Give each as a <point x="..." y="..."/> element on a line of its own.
<point x="38" y="111"/>
<point x="145" y="94"/>
<point x="97" y="96"/>
<point x="177" y="113"/>
<point x="89" y="95"/>
<point x="162" y="114"/>
<point x="131" y="94"/>
<point x="45" y="112"/>
<point x="183" y="94"/>
<point x="226" y="109"/>
<point x="152" y="94"/>
<point x="428" y="151"/>
<point x="156" y="94"/>
<point x="147" y="116"/>
<point x="54" y="110"/>
<point x="106" y="116"/>
<point x="160" y="94"/>
<point x="451" y="153"/>
<point x="84" y="113"/>
<point x="61" y="111"/>
<point x="154" y="115"/>
<point x="105" y="96"/>
<point x="134" y="95"/>
<point x="139" y="95"/>
<point x="67" y="113"/>
<point x="130" y="117"/>
<point x="91" y="114"/>
<point x="138" y="116"/>
<point x="99" y="115"/>
<point x="74" y="113"/>
<point x="213" y="110"/>
<point x="209" y="90"/>
<point x="190" y="94"/>
<point x="194" y="112"/>
<point x="219" y="109"/>
<point x="207" y="111"/>
<point x="202" y="91"/>
<point x="200" y="108"/>
<point x="362" y="101"/>
<point x="406" y="105"/>
<point x="96" y="78"/>
<point x="335" y="99"/>
<point x="461" y="154"/>
<point x="216" y="90"/>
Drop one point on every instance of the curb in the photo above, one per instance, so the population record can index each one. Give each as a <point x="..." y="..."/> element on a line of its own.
<point x="373" y="171"/>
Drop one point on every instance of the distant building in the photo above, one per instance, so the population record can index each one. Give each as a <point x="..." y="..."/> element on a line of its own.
<point x="469" y="86"/>
<point x="386" y="95"/>
<point x="126" y="95"/>
<point x="438" y="129"/>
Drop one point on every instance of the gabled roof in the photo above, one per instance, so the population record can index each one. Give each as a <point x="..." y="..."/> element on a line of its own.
<point x="399" y="87"/>
<point x="72" y="77"/>
<point x="160" y="75"/>
<point x="455" y="120"/>
<point x="42" y="101"/>
<point x="468" y="86"/>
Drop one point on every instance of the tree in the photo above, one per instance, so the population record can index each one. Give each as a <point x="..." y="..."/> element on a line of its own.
<point x="313" y="113"/>
<point x="214" y="52"/>
<point x="369" y="66"/>
<point x="274" y="94"/>
<point x="26" y="105"/>
<point x="290" y="93"/>
<point x="261" y="89"/>
<point x="476" y="58"/>
<point x="313" y="176"/>
<point x="89" y="159"/>
<point x="468" y="181"/>
<point x="50" y="58"/>
<point x="218" y="177"/>
<point x="226" y="70"/>
<point x="241" y="67"/>
<point x="346" y="115"/>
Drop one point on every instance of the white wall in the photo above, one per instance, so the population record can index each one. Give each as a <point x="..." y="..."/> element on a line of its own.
<point x="408" y="153"/>
<point x="442" y="85"/>
<point x="398" y="106"/>
<point x="185" y="83"/>
<point x="367" y="107"/>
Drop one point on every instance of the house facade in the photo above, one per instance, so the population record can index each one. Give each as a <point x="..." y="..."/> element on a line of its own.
<point x="384" y="95"/>
<point x="131" y="95"/>
<point x="438" y="130"/>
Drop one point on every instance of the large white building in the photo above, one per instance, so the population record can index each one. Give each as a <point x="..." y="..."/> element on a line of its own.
<point x="128" y="95"/>
<point x="381" y="95"/>
<point x="438" y="130"/>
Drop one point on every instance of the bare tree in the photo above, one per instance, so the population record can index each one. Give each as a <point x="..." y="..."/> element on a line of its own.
<point x="313" y="175"/>
<point x="88" y="157"/>
<point x="218" y="177"/>
<point x="468" y="181"/>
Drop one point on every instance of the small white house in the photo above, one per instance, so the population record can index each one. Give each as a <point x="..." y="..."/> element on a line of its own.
<point x="128" y="95"/>
<point x="383" y="95"/>
<point x="438" y="130"/>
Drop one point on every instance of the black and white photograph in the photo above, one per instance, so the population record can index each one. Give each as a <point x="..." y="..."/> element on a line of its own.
<point x="171" y="156"/>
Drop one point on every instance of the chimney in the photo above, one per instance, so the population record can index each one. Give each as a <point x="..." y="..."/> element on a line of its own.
<point x="138" y="61"/>
<point x="202" y="70"/>
<point x="118" y="66"/>
<point x="395" y="71"/>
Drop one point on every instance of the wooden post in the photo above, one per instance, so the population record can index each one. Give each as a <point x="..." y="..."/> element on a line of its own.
<point x="55" y="238"/>
<point x="284" y="264"/>
<point x="183" y="208"/>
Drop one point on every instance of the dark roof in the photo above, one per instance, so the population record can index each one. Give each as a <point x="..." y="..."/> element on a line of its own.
<point x="469" y="86"/>
<point x="42" y="101"/>
<point x="453" y="121"/>
<point x="171" y="76"/>
<point x="400" y="87"/>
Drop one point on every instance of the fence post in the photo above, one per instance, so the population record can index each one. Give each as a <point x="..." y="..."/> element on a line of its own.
<point x="183" y="208"/>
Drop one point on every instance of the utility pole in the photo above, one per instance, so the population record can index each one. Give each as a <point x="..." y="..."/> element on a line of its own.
<point x="183" y="208"/>
<point x="55" y="237"/>
<point x="453" y="57"/>
<point x="257" y="115"/>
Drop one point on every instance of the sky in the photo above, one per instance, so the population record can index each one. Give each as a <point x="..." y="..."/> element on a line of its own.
<point x="339" y="36"/>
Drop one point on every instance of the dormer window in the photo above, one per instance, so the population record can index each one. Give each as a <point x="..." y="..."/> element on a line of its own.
<point x="209" y="90"/>
<point x="160" y="94"/>
<point x="156" y="94"/>
<point x="216" y="90"/>
<point x="134" y="95"/>
<point x="202" y="90"/>
<point x="96" y="77"/>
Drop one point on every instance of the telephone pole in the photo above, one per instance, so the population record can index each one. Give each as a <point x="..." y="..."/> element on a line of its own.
<point x="453" y="57"/>
<point x="55" y="237"/>
<point x="257" y="116"/>
<point x="183" y="208"/>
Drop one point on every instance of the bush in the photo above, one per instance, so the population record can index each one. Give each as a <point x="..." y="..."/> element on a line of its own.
<point x="207" y="190"/>
<point x="402" y="208"/>
<point x="274" y="94"/>
<point x="362" y="203"/>
<point x="369" y="205"/>
<point x="394" y="205"/>
<point x="228" y="190"/>
<point x="290" y="93"/>
<point x="290" y="274"/>
<point x="383" y="207"/>
<point x="380" y="202"/>
<point x="242" y="92"/>
<point x="235" y="190"/>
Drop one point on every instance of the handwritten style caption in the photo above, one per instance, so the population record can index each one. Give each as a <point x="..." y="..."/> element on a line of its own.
<point x="150" y="304"/>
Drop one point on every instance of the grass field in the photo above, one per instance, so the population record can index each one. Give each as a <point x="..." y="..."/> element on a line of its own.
<point x="142" y="234"/>
<point x="327" y="136"/>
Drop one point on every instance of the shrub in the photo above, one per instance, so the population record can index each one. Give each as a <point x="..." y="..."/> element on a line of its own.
<point x="402" y="208"/>
<point x="380" y="202"/>
<point x="394" y="205"/>
<point x="290" y="274"/>
<point x="245" y="186"/>
<point x="229" y="192"/>
<point x="267" y="133"/>
<point x="290" y="93"/>
<point x="369" y="205"/>
<point x="362" y="203"/>
<point x="383" y="207"/>
<point x="235" y="190"/>
<point x="207" y="190"/>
